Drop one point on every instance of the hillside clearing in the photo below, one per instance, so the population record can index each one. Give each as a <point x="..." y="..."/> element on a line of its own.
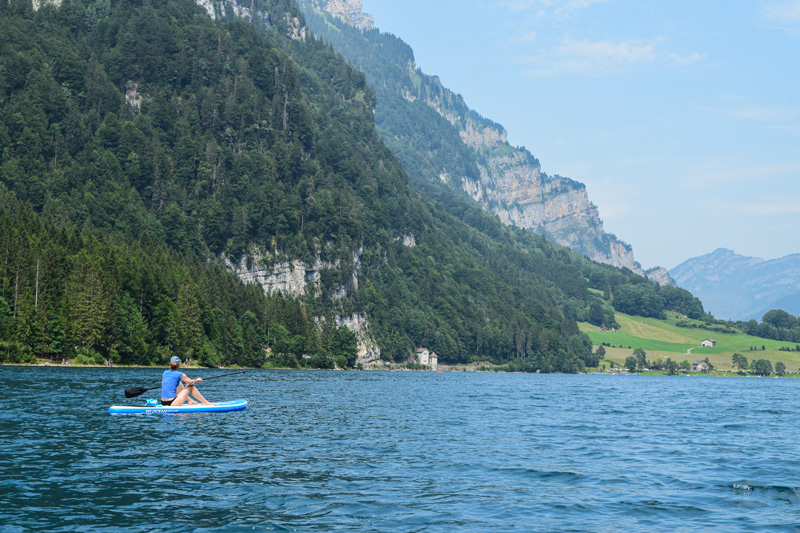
<point x="663" y="338"/>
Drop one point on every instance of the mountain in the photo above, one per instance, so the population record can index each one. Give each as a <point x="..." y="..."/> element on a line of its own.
<point x="440" y="140"/>
<point x="217" y="188"/>
<point x="208" y="180"/>
<point x="737" y="287"/>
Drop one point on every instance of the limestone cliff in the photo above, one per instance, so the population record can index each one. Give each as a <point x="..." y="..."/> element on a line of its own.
<point x="296" y="278"/>
<point x="37" y="4"/>
<point x="513" y="187"/>
<point x="368" y="350"/>
<point x="660" y="275"/>
<point x="348" y="11"/>
<point x="239" y="8"/>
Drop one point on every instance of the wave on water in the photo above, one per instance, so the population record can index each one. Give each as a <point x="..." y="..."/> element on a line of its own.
<point x="781" y="492"/>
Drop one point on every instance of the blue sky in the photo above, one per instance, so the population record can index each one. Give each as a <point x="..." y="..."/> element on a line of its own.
<point x="681" y="117"/>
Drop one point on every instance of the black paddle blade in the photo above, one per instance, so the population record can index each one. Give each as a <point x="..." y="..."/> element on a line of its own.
<point x="133" y="392"/>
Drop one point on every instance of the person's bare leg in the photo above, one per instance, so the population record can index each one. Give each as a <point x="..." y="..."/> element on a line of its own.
<point x="182" y="396"/>
<point x="189" y="399"/>
<point x="196" y="393"/>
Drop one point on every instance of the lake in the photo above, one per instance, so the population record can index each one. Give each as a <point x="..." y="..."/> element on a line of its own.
<point x="400" y="451"/>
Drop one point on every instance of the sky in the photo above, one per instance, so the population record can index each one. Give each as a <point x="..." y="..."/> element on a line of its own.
<point x="682" y="117"/>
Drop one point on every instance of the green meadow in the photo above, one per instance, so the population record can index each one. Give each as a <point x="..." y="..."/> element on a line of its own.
<point x="663" y="338"/>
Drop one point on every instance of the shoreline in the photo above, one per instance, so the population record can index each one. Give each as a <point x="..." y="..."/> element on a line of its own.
<point x="718" y="374"/>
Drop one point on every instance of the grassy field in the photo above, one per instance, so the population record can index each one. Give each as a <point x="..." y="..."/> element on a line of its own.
<point x="662" y="339"/>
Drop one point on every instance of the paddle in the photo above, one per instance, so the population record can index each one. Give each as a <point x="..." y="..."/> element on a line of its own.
<point x="133" y="392"/>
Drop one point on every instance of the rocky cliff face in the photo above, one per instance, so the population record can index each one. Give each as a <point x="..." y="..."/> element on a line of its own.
<point x="37" y="4"/>
<point x="368" y="350"/>
<point x="240" y="9"/>
<point x="348" y="11"/>
<point x="296" y="278"/>
<point x="660" y="275"/>
<point x="513" y="187"/>
<point x="291" y="278"/>
<point x="511" y="184"/>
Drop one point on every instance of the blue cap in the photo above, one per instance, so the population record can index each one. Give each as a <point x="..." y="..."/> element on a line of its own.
<point x="175" y="359"/>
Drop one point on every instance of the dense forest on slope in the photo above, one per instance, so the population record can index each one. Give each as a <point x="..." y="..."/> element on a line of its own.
<point x="142" y="143"/>
<point x="75" y="292"/>
<point x="426" y="142"/>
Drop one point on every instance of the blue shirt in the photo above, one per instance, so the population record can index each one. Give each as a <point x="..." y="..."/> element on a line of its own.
<point x="169" y="383"/>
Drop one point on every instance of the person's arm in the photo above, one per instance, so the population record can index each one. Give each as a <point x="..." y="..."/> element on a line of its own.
<point x="190" y="381"/>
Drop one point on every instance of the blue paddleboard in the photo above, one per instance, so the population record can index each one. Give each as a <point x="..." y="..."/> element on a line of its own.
<point x="215" y="407"/>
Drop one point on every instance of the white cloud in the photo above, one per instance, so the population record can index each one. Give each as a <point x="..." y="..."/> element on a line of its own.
<point x="526" y="38"/>
<point x="773" y="208"/>
<point x="575" y="56"/>
<point x="762" y="114"/>
<point x="595" y="58"/>
<point x="581" y="4"/>
<point x="783" y="16"/>
<point x="707" y="173"/>
<point x="782" y="12"/>
<point x="545" y="7"/>
<point x="684" y="60"/>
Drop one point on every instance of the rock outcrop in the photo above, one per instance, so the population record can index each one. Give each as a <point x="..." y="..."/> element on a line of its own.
<point x="348" y="11"/>
<point x="217" y="9"/>
<point x="37" y="4"/>
<point x="660" y="275"/>
<point x="296" y="278"/>
<point x="368" y="350"/>
<point x="513" y="187"/>
<point x="290" y="278"/>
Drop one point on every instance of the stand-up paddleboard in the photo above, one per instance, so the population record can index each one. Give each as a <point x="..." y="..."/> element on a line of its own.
<point x="216" y="407"/>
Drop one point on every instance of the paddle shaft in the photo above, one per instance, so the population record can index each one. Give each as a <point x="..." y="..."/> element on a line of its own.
<point x="132" y="392"/>
<point x="223" y="375"/>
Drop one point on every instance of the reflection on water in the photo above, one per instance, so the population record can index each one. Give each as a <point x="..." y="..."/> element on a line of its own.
<point x="404" y="451"/>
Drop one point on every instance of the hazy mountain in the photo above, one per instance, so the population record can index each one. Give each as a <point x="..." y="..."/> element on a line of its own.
<point x="440" y="140"/>
<point x="736" y="287"/>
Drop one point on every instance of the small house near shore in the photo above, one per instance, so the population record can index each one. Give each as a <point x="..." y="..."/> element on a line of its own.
<point x="708" y="343"/>
<point x="427" y="357"/>
<point x="701" y="366"/>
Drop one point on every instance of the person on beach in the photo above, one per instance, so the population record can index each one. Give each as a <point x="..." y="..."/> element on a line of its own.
<point x="177" y="387"/>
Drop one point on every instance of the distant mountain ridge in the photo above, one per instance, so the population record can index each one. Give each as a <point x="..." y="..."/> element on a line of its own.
<point x="736" y="287"/>
<point x="439" y="139"/>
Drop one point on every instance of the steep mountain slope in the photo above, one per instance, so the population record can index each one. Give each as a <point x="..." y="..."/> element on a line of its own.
<point x="736" y="287"/>
<point x="439" y="139"/>
<point x="253" y="145"/>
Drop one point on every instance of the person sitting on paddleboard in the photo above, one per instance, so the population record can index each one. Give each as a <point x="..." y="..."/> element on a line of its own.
<point x="176" y="387"/>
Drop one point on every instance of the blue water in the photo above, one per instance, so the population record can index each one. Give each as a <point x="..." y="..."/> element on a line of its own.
<point x="403" y="451"/>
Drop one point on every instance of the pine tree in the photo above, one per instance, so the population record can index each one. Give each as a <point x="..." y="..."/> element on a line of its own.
<point x="191" y="328"/>
<point x="91" y="307"/>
